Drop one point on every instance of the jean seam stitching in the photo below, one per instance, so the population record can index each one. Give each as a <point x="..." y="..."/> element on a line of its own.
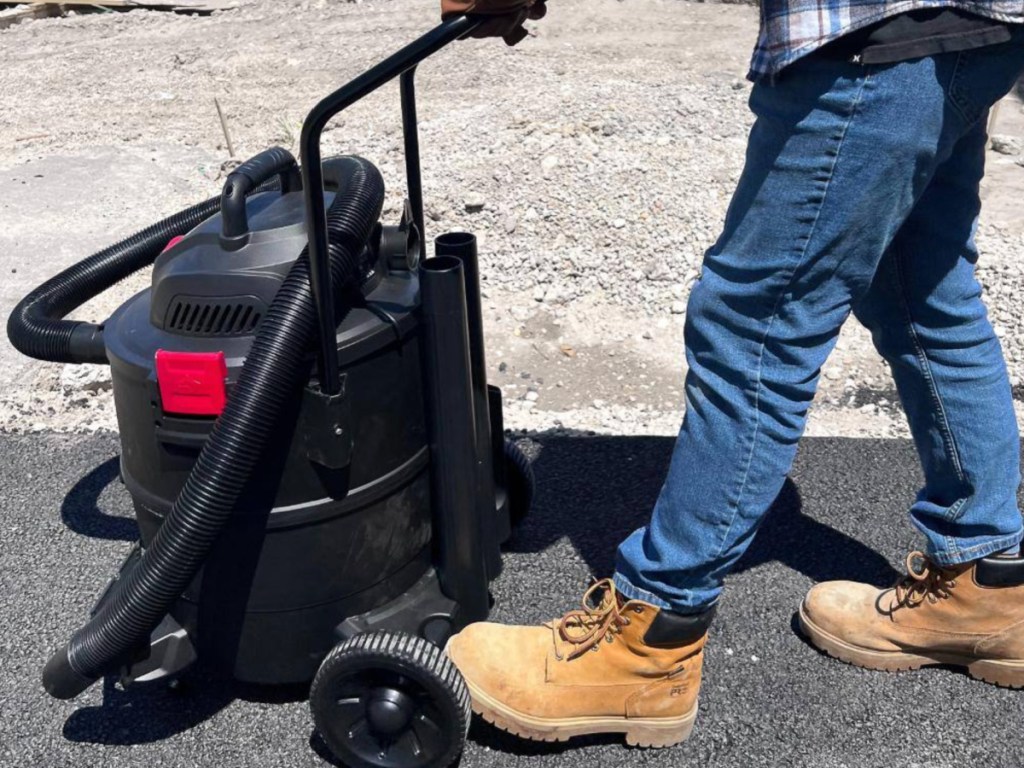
<point x="952" y="514"/>
<point x="967" y="111"/>
<point x="979" y="547"/>
<point x="775" y="310"/>
<point x="933" y="391"/>
<point x="995" y="545"/>
<point x="955" y="100"/>
<point x="638" y="593"/>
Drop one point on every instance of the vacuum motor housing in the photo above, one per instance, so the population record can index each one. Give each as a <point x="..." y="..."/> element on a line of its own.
<point x="310" y="544"/>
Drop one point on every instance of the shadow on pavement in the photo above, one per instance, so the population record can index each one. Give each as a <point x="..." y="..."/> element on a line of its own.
<point x="593" y="491"/>
<point x="147" y="713"/>
<point x="617" y="480"/>
<point x="81" y="511"/>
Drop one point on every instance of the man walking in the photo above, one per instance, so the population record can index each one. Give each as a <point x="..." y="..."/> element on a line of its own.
<point x="860" y="196"/>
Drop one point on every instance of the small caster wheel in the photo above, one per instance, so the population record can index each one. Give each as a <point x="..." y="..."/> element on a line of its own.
<point x="520" y="482"/>
<point x="385" y="700"/>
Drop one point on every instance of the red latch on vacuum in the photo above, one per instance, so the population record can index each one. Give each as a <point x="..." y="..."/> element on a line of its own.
<point x="192" y="383"/>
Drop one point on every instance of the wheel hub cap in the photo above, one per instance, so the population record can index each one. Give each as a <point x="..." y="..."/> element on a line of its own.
<point x="389" y="711"/>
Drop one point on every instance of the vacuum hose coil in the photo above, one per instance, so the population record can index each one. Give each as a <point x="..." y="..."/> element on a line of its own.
<point x="36" y="328"/>
<point x="276" y="369"/>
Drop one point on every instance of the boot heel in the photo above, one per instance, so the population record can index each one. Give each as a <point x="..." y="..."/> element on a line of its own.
<point x="658" y="735"/>
<point x="1009" y="674"/>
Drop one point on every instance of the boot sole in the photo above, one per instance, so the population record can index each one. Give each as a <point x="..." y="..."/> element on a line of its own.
<point x="1008" y="674"/>
<point x="651" y="733"/>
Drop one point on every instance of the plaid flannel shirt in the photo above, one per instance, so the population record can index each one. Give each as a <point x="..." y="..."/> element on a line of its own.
<point x="791" y="29"/>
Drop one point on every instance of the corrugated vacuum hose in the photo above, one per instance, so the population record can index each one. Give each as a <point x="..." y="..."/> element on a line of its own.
<point x="36" y="327"/>
<point x="277" y="368"/>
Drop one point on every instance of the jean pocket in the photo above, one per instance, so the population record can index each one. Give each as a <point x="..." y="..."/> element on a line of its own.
<point x="962" y="90"/>
<point x="982" y="76"/>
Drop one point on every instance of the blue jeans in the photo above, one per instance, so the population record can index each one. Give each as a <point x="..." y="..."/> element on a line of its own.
<point x="860" y="194"/>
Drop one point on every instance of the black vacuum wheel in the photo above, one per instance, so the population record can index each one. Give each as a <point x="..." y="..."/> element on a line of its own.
<point x="519" y="480"/>
<point x="385" y="700"/>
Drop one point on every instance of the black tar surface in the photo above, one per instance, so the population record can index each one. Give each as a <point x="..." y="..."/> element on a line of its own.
<point x="768" y="698"/>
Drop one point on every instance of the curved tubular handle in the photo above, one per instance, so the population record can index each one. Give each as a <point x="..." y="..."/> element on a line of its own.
<point x="405" y="61"/>
<point x="275" y="161"/>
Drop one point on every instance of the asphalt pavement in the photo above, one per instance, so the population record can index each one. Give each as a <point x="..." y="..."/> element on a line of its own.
<point x="768" y="698"/>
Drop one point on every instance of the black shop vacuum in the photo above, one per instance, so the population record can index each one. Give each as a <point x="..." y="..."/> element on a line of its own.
<point x="317" y="463"/>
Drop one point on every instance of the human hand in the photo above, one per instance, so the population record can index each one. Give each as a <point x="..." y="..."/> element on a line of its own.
<point x="502" y="18"/>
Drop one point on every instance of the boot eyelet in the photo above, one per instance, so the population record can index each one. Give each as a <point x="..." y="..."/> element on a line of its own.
<point x="638" y="609"/>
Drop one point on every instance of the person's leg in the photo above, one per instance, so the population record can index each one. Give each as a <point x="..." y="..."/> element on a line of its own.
<point x="838" y="158"/>
<point x="928" y="321"/>
<point x="926" y="316"/>
<point x="961" y="602"/>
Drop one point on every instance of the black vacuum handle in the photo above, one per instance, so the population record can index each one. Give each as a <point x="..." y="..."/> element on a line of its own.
<point x="275" y="161"/>
<point x="402" y="64"/>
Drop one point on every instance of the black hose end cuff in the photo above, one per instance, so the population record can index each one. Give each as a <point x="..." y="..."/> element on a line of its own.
<point x="61" y="680"/>
<point x="86" y="344"/>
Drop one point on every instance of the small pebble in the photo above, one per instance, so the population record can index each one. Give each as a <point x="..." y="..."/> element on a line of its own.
<point x="475" y="202"/>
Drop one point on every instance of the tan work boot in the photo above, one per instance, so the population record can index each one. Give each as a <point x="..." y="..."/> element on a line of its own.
<point x="612" y="667"/>
<point x="968" y="615"/>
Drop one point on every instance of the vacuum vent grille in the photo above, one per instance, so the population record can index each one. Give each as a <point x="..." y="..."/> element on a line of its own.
<point x="191" y="316"/>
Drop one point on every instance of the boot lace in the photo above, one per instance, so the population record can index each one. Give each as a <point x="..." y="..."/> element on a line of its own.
<point x="925" y="580"/>
<point x="584" y="629"/>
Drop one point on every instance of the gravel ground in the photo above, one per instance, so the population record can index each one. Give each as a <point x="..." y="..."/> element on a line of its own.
<point x="595" y="161"/>
<point x="768" y="699"/>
